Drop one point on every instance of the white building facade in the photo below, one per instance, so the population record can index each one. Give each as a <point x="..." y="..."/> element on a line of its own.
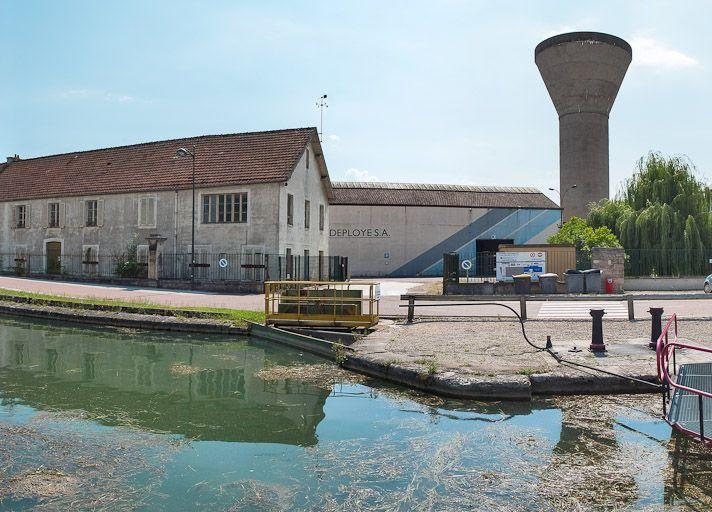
<point x="257" y="196"/>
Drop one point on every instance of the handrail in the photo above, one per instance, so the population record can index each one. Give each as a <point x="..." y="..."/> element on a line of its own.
<point x="664" y="348"/>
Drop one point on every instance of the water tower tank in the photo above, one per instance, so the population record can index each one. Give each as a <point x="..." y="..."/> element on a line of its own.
<point x="583" y="72"/>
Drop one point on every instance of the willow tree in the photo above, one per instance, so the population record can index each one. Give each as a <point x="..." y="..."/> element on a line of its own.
<point x="662" y="216"/>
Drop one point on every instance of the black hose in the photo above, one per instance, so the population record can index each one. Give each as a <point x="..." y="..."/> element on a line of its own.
<point x="547" y="348"/>
<point x="521" y="322"/>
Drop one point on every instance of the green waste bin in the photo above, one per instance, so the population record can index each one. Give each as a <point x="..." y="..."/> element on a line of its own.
<point x="547" y="283"/>
<point x="522" y="284"/>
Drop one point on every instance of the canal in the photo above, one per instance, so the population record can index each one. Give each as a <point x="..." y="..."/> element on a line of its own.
<point x="110" y="419"/>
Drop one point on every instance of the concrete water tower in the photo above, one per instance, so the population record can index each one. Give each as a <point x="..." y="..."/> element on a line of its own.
<point x="583" y="72"/>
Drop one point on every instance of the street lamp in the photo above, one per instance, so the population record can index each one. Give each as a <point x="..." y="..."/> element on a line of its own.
<point x="182" y="153"/>
<point x="561" y="200"/>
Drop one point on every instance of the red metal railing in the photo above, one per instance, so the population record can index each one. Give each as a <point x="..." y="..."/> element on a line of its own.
<point x="664" y="350"/>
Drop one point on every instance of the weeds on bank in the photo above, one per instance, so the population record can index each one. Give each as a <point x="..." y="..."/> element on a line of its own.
<point x="430" y="364"/>
<point x="339" y="353"/>
<point x="237" y="317"/>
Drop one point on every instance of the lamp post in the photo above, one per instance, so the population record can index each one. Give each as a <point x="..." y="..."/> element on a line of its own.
<point x="561" y="200"/>
<point x="181" y="153"/>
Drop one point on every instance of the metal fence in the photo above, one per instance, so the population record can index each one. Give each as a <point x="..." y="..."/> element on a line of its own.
<point x="218" y="267"/>
<point x="669" y="262"/>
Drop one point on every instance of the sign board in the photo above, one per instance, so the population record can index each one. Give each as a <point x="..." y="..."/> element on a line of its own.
<point x="222" y="263"/>
<point x="466" y="264"/>
<point x="512" y="263"/>
<point x="377" y="292"/>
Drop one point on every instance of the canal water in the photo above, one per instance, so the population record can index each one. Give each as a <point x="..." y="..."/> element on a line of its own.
<point x="107" y="419"/>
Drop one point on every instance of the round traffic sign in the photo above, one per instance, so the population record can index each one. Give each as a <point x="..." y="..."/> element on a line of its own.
<point x="222" y="263"/>
<point x="466" y="264"/>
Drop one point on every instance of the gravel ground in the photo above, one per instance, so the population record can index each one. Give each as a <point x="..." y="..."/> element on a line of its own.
<point x="498" y="347"/>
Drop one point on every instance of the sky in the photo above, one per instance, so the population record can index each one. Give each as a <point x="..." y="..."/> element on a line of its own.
<point x="432" y="92"/>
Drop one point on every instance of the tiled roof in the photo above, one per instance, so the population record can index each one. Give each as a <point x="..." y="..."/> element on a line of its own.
<point x="241" y="158"/>
<point x="417" y="194"/>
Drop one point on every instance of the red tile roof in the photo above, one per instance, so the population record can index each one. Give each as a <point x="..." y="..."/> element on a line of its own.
<point x="235" y="159"/>
<point x="421" y="194"/>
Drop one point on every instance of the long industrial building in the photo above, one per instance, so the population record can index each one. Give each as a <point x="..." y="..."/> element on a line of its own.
<point x="402" y="229"/>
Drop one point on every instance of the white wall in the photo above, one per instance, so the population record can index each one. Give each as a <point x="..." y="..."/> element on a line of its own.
<point x="304" y="184"/>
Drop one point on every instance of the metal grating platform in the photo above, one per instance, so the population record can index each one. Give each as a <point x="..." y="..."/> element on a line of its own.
<point x="685" y="406"/>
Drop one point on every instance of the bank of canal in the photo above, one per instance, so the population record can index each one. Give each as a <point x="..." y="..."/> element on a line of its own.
<point x="118" y="419"/>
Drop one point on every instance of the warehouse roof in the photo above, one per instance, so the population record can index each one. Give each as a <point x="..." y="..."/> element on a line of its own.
<point x="418" y="194"/>
<point x="233" y="159"/>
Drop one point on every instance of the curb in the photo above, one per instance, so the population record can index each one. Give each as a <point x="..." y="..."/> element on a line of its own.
<point x="126" y="320"/>
<point x="449" y="384"/>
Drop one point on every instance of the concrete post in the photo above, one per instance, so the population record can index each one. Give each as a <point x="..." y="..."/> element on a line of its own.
<point x="411" y="309"/>
<point x="597" y="344"/>
<point x="154" y="244"/>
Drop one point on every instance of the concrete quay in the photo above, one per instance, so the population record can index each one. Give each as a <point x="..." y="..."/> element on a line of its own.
<point x="490" y="360"/>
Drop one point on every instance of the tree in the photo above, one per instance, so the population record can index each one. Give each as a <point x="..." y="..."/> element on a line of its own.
<point x="578" y="233"/>
<point x="662" y="217"/>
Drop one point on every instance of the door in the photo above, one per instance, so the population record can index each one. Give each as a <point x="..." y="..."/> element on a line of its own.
<point x="54" y="257"/>
<point x="486" y="256"/>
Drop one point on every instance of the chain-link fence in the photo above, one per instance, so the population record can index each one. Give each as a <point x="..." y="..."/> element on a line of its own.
<point x="666" y="262"/>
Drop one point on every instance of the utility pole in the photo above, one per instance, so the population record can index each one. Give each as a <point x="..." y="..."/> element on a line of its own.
<point x="322" y="105"/>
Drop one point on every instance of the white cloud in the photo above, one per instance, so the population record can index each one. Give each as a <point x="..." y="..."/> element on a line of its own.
<point x="94" y="94"/>
<point x="647" y="52"/>
<point x="334" y="137"/>
<point x="354" y="174"/>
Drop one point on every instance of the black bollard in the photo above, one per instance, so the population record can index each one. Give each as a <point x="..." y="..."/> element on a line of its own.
<point x="597" y="344"/>
<point x="656" y="330"/>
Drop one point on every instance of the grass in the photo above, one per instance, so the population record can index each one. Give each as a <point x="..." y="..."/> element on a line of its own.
<point x="431" y="365"/>
<point x="236" y="317"/>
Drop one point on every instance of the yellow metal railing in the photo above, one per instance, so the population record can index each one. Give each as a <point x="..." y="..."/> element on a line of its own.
<point x="322" y="304"/>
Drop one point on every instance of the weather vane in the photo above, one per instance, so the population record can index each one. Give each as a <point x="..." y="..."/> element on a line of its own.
<point x="322" y="105"/>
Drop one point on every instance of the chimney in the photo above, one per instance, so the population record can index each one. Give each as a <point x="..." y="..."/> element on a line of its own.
<point x="583" y="72"/>
<point x="11" y="159"/>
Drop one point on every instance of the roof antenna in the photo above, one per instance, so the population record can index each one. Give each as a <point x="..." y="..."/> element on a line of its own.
<point x="322" y="105"/>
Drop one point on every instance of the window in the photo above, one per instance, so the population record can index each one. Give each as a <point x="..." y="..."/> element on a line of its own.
<point x="225" y="208"/>
<point x="306" y="265"/>
<point x="307" y="158"/>
<point x="321" y="217"/>
<point x="147" y="212"/>
<point x="21" y="216"/>
<point x="53" y="215"/>
<point x="307" y="214"/>
<point x="290" y="210"/>
<point x="92" y="210"/>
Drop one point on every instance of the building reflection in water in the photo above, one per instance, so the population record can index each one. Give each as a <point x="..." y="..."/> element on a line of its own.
<point x="198" y="390"/>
